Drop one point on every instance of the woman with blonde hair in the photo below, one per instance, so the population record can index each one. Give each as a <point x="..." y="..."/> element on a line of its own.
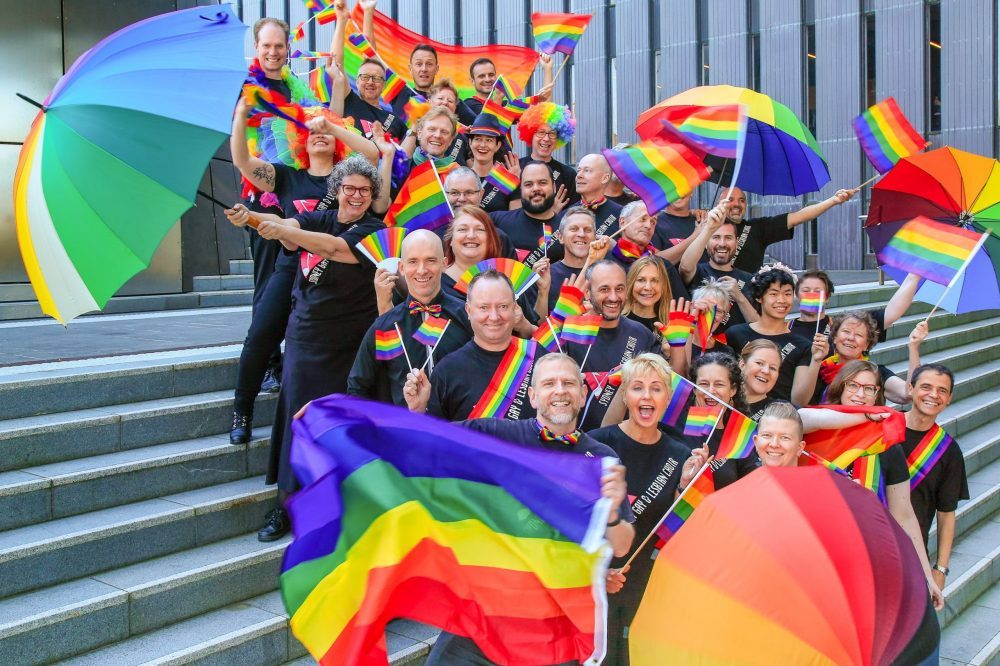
<point x="647" y="292"/>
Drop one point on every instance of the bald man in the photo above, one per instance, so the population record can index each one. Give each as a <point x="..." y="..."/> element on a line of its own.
<point x="420" y="267"/>
<point x="593" y="174"/>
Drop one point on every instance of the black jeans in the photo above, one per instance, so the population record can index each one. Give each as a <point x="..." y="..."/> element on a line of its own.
<point x="267" y="330"/>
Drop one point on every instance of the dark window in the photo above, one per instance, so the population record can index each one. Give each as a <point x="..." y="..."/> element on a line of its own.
<point x="810" y="74"/>
<point x="755" y="62"/>
<point x="870" y="90"/>
<point x="701" y="30"/>
<point x="934" y="65"/>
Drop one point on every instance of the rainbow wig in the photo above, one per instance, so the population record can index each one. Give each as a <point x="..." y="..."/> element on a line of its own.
<point x="557" y="117"/>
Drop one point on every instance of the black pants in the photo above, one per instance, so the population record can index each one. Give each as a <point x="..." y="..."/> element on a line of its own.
<point x="267" y="329"/>
<point x="264" y="254"/>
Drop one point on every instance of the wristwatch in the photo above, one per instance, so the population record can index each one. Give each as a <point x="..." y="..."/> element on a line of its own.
<point x="943" y="570"/>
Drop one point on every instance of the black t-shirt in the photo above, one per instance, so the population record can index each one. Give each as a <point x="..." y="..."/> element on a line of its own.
<point x="674" y="229"/>
<point x="383" y="380"/>
<point x="795" y="352"/>
<point x="735" y="316"/>
<point x="755" y="410"/>
<point x="526" y="233"/>
<point x="754" y="235"/>
<point x="613" y="347"/>
<point x="893" y="464"/>
<point x="297" y="190"/>
<point x="943" y="486"/>
<point x="807" y="329"/>
<point x="335" y="302"/>
<point x="563" y="174"/>
<point x="607" y="215"/>
<point x="461" y="378"/>
<point x="677" y="288"/>
<point x="364" y="115"/>
<point x="559" y="272"/>
<point x="645" y="321"/>
<point x="493" y="199"/>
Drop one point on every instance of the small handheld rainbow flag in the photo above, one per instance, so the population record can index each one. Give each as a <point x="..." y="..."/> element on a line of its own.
<point x="421" y="203"/>
<point x="547" y="335"/>
<point x="361" y="45"/>
<point x="297" y="33"/>
<point x="502" y="178"/>
<point x="394" y="84"/>
<point x="657" y="172"/>
<point x="926" y="454"/>
<point x="505" y="115"/>
<point x="309" y="55"/>
<point x="414" y="109"/>
<point x="320" y="84"/>
<point x="700" y="487"/>
<point x="931" y="249"/>
<point x="507" y="87"/>
<point x="388" y="345"/>
<point x="546" y="237"/>
<point x="812" y="302"/>
<point x="503" y="387"/>
<point x="704" y="323"/>
<point x="715" y="130"/>
<point x="581" y="329"/>
<point x="383" y="244"/>
<point x="569" y="303"/>
<point x="868" y="471"/>
<point x="681" y="390"/>
<point x="558" y="32"/>
<point x="521" y="277"/>
<point x="701" y="420"/>
<point x="678" y="329"/>
<point x="737" y="438"/>
<point x="430" y="331"/>
<point x="886" y="135"/>
<point x="328" y="15"/>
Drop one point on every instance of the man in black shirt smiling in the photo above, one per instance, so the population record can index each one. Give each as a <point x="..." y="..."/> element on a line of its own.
<point x="524" y="225"/>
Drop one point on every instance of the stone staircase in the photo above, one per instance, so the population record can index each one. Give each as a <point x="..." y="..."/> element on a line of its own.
<point x="127" y="520"/>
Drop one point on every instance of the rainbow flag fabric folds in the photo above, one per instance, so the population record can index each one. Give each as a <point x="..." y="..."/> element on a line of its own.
<point x="581" y="329"/>
<point x="842" y="447"/>
<point x="737" y="438"/>
<point x="680" y="393"/>
<point x="812" y="303"/>
<point x="932" y="250"/>
<point x="430" y="331"/>
<point x="558" y="32"/>
<point x="703" y="324"/>
<point x="886" y="135"/>
<point x="507" y="540"/>
<point x="502" y="178"/>
<point x="421" y="203"/>
<point x="394" y="84"/>
<point x="320" y="84"/>
<point x="658" y="172"/>
<point x="505" y="115"/>
<point x="867" y="470"/>
<point x="388" y="345"/>
<point x="701" y="487"/>
<point x="717" y="130"/>
<point x="701" y="420"/>
<point x="547" y="335"/>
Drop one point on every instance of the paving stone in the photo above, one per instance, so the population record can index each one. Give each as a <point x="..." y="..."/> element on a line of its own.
<point x="969" y="633"/>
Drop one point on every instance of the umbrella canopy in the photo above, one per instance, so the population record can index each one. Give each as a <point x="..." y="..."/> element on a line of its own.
<point x="953" y="187"/>
<point x="781" y="155"/>
<point x="788" y="566"/>
<point x="116" y="155"/>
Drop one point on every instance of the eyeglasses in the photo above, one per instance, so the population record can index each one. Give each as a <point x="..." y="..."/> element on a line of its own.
<point x="351" y="190"/>
<point x="870" y="390"/>
<point x="373" y="78"/>
<point x="541" y="134"/>
<point x="466" y="193"/>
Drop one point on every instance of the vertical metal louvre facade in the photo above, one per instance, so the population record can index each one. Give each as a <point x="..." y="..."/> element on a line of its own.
<point x="638" y="52"/>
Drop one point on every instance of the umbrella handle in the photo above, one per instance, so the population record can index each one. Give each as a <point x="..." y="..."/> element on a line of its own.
<point x="253" y="222"/>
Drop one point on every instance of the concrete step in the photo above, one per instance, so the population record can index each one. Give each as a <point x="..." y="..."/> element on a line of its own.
<point x="39" y="440"/>
<point x="64" y="549"/>
<point x="975" y="371"/>
<point x="860" y="295"/>
<point x="969" y="414"/>
<point x="973" y="638"/>
<point x="71" y="618"/>
<point x="902" y="328"/>
<point x="29" y="309"/>
<point x="241" y="266"/>
<point x="983" y="331"/>
<point x="50" y="388"/>
<point x="16" y="292"/>
<point x="203" y="283"/>
<point x="57" y="490"/>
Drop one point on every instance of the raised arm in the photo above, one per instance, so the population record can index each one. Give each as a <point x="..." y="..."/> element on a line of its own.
<point x="387" y="150"/>
<point x="901" y="300"/>
<point x="355" y="142"/>
<point x="339" y="33"/>
<point x="815" y="210"/>
<point x="257" y="171"/>
<point x="368" y="23"/>
<point x="817" y="418"/>
<point x="804" y="381"/>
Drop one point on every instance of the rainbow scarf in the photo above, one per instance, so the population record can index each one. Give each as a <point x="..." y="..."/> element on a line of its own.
<point x="830" y="366"/>
<point x="506" y="380"/>
<point x="868" y="471"/>
<point x="927" y="453"/>
<point x="627" y="252"/>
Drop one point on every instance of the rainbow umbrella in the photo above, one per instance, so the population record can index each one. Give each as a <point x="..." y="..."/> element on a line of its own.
<point x="953" y="187"/>
<point x="788" y="566"/>
<point x="780" y="155"/>
<point x="117" y="152"/>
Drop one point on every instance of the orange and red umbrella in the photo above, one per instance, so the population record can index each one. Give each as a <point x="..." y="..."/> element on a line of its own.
<point x="788" y="566"/>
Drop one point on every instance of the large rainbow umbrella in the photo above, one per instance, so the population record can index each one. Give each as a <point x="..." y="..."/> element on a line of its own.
<point x="117" y="152"/>
<point x="780" y="155"/>
<point x="788" y="566"/>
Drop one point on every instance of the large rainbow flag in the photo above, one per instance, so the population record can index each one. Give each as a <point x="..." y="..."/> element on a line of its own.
<point x="657" y="171"/>
<point x="421" y="203"/>
<point x="886" y="135"/>
<point x="932" y="250"/>
<point x="499" y="542"/>
<point x="844" y="446"/>
<point x="394" y="44"/>
<point x="558" y="32"/>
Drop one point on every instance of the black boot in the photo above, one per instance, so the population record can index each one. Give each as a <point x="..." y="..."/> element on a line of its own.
<point x="271" y="383"/>
<point x="275" y="526"/>
<point x="242" y="427"/>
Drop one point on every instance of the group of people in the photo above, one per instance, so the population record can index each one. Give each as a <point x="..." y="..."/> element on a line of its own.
<point x="636" y="269"/>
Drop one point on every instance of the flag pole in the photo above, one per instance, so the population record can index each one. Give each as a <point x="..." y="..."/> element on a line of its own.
<point x="961" y="270"/>
<point x="554" y="334"/>
<point x="405" y="353"/>
<point x="589" y="347"/>
<point x="561" y="68"/>
<point x="819" y="315"/>
<point x="434" y="348"/>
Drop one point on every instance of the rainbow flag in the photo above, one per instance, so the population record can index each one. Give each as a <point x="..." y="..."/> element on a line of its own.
<point x="320" y="84"/>
<point x="547" y="335"/>
<point x="508" y="88"/>
<point x="521" y="277"/>
<point x="546" y="237"/>
<point x="569" y="303"/>
<point x="315" y="5"/>
<point x="812" y="302"/>
<point x="700" y="487"/>
<point x="716" y="130"/>
<point x="558" y="32"/>
<point x="809" y="455"/>
<point x="704" y="323"/>
<point x="328" y="15"/>
<point x="505" y="115"/>
<point x="886" y="135"/>
<point x="926" y="454"/>
<point x="701" y="420"/>
<point x="502" y="178"/>
<point x="868" y="471"/>
<point x="678" y="329"/>
<point x="581" y="329"/>
<point x="309" y="55"/>
<point x="737" y="438"/>
<point x="394" y="84"/>
<point x="395" y="43"/>
<point x="932" y="250"/>
<point x="382" y="244"/>
<point x="844" y="446"/>
<point x="506" y="540"/>
<point x="297" y="33"/>
<point x="680" y="392"/>
<point x="414" y="109"/>
<point x="421" y="203"/>
<point x="388" y="345"/>
<point x="657" y="172"/>
<point x="503" y="387"/>
<point x="430" y="331"/>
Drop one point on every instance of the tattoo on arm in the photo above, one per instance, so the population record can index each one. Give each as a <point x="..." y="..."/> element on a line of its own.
<point x="265" y="174"/>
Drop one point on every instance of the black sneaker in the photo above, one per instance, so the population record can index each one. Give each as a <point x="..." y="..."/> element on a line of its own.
<point x="271" y="383"/>
<point x="242" y="428"/>
<point x="275" y="527"/>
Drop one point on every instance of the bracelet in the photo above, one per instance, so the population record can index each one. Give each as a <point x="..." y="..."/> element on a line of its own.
<point x="615" y="521"/>
<point x="943" y="570"/>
